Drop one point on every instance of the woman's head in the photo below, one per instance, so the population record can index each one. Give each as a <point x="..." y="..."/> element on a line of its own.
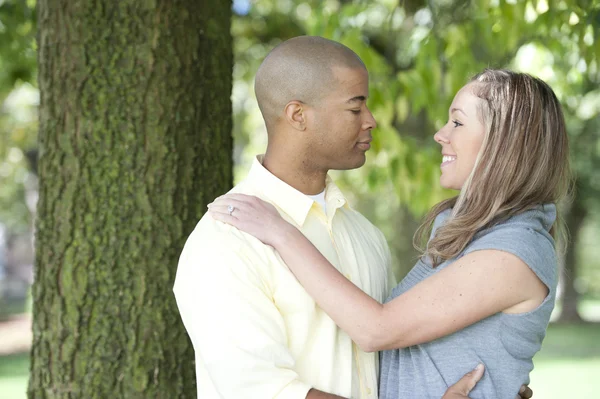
<point x="506" y="151"/>
<point x="461" y="138"/>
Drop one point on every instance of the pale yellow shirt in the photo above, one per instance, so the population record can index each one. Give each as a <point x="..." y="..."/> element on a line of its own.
<point x="256" y="333"/>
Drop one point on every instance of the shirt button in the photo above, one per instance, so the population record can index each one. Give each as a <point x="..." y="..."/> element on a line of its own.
<point x="368" y="391"/>
<point x="348" y="276"/>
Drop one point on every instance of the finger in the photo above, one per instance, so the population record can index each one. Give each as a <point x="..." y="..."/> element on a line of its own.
<point x="474" y="377"/>
<point x="237" y="197"/>
<point x="224" y="217"/>
<point x="525" y="392"/>
<point x="251" y="201"/>
<point x="226" y="203"/>
<point x="243" y="197"/>
<point x="222" y="209"/>
<point x="468" y="382"/>
<point x="239" y="211"/>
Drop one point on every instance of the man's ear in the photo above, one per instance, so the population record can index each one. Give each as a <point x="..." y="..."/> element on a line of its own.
<point x="295" y="114"/>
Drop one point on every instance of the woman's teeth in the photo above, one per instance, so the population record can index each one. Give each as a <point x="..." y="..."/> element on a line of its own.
<point x="448" y="158"/>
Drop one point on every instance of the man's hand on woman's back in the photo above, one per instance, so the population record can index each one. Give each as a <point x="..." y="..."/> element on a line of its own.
<point x="461" y="389"/>
<point x="465" y="385"/>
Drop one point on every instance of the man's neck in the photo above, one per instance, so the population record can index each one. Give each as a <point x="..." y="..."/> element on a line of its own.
<point x="295" y="171"/>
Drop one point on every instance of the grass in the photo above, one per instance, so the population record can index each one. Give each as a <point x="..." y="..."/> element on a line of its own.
<point x="569" y="363"/>
<point x="568" y="366"/>
<point x="14" y="371"/>
<point x="8" y="309"/>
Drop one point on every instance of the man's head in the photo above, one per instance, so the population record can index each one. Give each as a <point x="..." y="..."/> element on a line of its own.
<point x="312" y="93"/>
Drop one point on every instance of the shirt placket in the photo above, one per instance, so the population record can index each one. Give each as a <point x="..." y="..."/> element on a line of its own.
<point x="365" y="391"/>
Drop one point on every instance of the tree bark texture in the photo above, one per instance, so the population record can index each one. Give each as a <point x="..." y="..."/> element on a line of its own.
<point x="135" y="140"/>
<point x="575" y="220"/>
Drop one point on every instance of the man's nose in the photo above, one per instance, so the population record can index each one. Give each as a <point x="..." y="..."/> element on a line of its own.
<point x="370" y="122"/>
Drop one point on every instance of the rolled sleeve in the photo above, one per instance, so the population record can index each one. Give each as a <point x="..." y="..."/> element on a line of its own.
<point x="237" y="331"/>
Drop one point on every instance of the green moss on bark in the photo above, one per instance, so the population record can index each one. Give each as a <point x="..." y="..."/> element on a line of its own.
<point x="135" y="140"/>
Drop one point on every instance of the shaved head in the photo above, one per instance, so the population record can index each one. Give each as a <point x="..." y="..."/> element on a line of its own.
<point x="299" y="69"/>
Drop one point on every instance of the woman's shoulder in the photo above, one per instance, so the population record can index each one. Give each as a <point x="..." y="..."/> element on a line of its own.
<point x="526" y="235"/>
<point x="533" y="224"/>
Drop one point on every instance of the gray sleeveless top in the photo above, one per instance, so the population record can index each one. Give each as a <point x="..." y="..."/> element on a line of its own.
<point x="505" y="343"/>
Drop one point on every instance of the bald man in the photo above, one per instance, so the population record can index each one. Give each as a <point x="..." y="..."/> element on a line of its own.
<point x="256" y="333"/>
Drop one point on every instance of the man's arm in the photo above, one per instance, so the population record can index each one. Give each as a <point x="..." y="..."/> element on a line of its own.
<point x="236" y="329"/>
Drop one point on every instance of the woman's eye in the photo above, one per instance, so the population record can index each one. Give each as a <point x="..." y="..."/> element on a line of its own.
<point x="457" y="123"/>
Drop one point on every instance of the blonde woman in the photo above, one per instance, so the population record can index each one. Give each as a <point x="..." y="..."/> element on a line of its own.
<point x="484" y="288"/>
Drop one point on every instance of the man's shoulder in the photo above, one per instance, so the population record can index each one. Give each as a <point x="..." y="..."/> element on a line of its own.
<point x="362" y="221"/>
<point x="211" y="236"/>
<point x="217" y="251"/>
<point x="209" y="232"/>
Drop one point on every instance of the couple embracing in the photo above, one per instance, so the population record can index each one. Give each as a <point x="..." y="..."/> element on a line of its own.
<point x="286" y="291"/>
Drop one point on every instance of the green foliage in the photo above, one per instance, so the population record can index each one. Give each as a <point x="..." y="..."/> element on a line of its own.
<point x="18" y="132"/>
<point x="17" y="43"/>
<point x="18" y="108"/>
<point x="419" y="54"/>
<point x="13" y="375"/>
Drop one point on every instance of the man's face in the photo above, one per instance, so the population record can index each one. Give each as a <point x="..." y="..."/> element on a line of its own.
<point x="341" y="123"/>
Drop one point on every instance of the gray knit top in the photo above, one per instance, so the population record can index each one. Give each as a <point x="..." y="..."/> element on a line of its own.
<point x="505" y="343"/>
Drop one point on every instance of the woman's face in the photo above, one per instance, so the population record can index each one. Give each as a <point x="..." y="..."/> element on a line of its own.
<point x="461" y="138"/>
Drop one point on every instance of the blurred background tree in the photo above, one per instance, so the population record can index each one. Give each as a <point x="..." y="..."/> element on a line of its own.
<point x="419" y="53"/>
<point x="18" y="109"/>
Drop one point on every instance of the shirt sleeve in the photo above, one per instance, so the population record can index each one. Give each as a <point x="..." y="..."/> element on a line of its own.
<point x="526" y="240"/>
<point x="237" y="332"/>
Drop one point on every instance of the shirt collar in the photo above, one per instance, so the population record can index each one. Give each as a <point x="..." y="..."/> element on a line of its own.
<point x="291" y="201"/>
<point x="334" y="197"/>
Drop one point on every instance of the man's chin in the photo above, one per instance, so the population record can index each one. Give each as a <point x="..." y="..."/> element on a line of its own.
<point x="354" y="164"/>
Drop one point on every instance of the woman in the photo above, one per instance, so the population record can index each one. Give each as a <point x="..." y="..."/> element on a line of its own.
<point x="484" y="287"/>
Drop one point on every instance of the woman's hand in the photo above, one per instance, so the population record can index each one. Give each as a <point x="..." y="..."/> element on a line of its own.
<point x="251" y="215"/>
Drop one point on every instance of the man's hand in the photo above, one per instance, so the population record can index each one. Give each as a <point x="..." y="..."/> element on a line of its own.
<point x="316" y="394"/>
<point x="525" y="392"/>
<point x="461" y="389"/>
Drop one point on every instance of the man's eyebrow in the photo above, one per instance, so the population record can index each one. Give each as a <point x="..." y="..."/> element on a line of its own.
<point x="458" y="109"/>
<point x="357" y="99"/>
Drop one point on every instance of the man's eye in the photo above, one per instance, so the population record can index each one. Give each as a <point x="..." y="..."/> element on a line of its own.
<point x="355" y="111"/>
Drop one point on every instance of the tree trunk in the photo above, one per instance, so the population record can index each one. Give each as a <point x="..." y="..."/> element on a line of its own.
<point x="574" y="220"/>
<point x="135" y="139"/>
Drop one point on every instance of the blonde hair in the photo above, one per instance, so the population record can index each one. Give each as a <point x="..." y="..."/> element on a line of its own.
<point x="523" y="162"/>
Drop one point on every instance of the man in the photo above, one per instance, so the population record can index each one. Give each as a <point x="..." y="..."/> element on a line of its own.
<point x="255" y="331"/>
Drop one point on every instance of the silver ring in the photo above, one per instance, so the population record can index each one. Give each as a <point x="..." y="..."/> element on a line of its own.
<point x="230" y="209"/>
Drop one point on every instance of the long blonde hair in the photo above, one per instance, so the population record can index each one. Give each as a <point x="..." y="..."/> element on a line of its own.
<point x="523" y="162"/>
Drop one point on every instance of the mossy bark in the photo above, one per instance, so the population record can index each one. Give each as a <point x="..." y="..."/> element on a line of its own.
<point x="575" y="219"/>
<point x="135" y="139"/>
